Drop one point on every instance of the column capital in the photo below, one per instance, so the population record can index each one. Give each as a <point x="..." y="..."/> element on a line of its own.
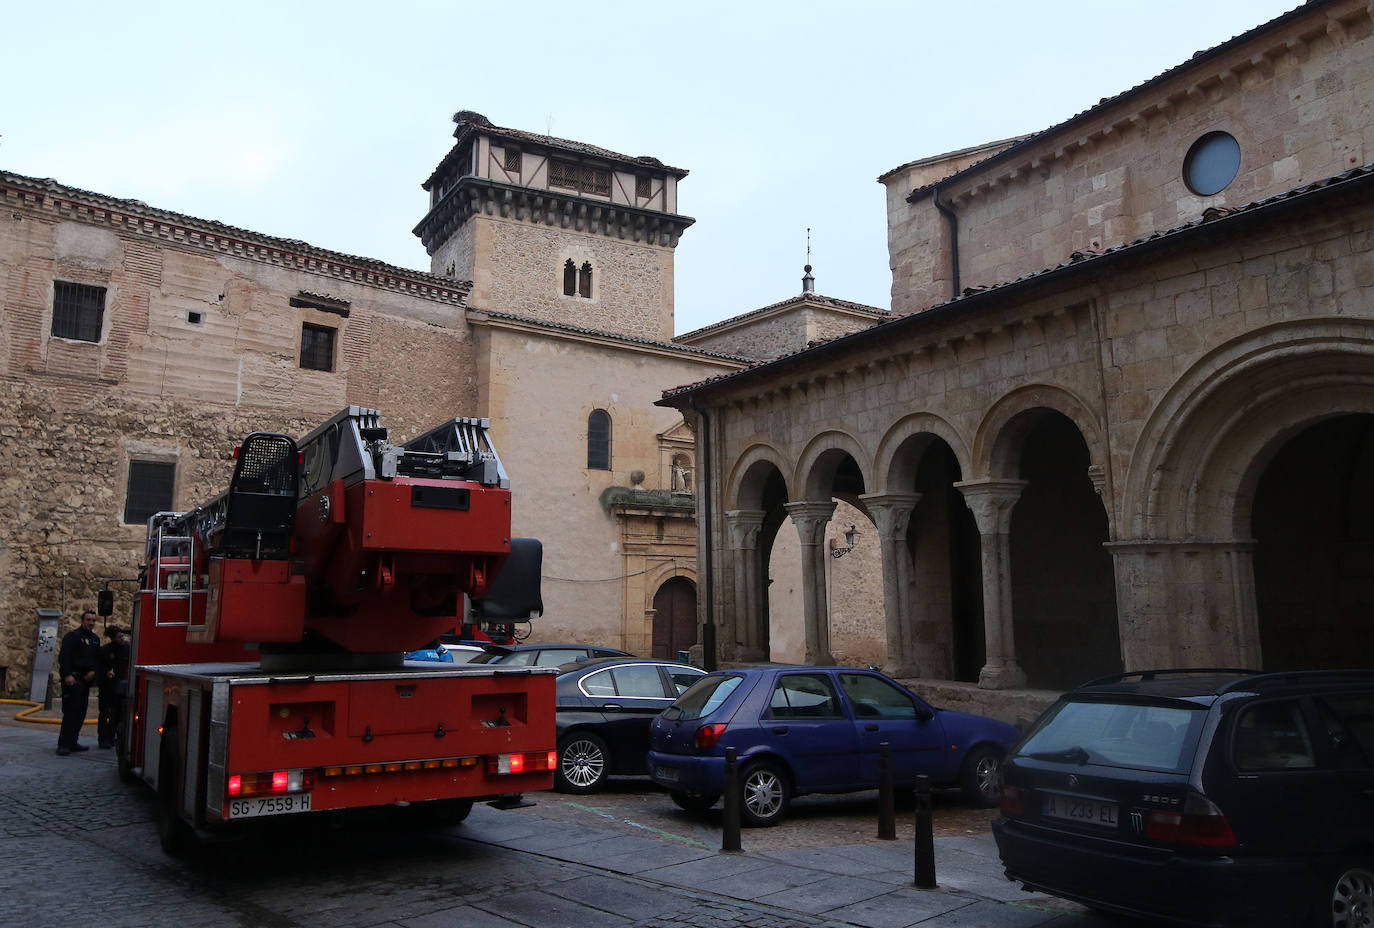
<point x="991" y="502"/>
<point x="744" y="525"/>
<point x="891" y="512"/>
<point x="811" y="517"/>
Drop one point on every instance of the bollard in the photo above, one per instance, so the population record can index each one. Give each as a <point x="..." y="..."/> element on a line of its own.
<point x="729" y="838"/>
<point x="925" y="836"/>
<point x="887" y="811"/>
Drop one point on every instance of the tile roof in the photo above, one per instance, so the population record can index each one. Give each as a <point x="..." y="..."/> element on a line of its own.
<point x="827" y="301"/>
<point x="613" y="336"/>
<point x="1356" y="180"/>
<point x="470" y="124"/>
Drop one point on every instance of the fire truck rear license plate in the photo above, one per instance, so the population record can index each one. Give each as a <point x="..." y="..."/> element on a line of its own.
<point x="269" y="805"/>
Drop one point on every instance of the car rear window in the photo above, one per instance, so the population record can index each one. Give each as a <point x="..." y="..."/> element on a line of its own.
<point x="1117" y="734"/>
<point x="702" y="698"/>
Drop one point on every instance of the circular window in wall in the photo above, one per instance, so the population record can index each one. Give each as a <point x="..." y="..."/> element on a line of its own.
<point x="1211" y="164"/>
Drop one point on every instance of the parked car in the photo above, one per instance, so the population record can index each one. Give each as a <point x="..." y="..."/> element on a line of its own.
<point x="816" y="730"/>
<point x="1201" y="798"/>
<point x="604" y="711"/>
<point x="547" y="655"/>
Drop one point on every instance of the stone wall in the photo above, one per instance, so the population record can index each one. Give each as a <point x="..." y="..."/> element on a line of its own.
<point x="539" y="388"/>
<point x="1296" y="100"/>
<point x="1182" y="365"/>
<point x="517" y="268"/>
<point x="199" y="346"/>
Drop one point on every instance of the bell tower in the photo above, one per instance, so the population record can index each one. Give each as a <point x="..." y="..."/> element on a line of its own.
<point x="555" y="230"/>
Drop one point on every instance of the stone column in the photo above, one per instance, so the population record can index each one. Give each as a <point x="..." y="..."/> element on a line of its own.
<point x="1186" y="603"/>
<point x="811" y="519"/>
<point x="891" y="513"/>
<point x="991" y="502"/>
<point x="744" y="526"/>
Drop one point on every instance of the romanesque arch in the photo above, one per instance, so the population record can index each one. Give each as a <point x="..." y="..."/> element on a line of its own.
<point x="901" y="448"/>
<point x="931" y="574"/>
<point x="755" y="494"/>
<point x="1001" y="435"/>
<point x="822" y="464"/>
<point x="1250" y="485"/>
<point x="1043" y="526"/>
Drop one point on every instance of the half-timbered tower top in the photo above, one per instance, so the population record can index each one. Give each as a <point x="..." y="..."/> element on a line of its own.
<point x="555" y="229"/>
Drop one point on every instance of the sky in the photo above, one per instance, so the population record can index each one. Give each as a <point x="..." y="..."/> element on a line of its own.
<point x="319" y="121"/>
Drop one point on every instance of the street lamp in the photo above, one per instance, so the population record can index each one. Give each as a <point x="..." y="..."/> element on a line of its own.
<point x="851" y="535"/>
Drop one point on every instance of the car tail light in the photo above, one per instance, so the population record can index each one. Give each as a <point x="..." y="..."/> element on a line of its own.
<point x="1011" y="803"/>
<point x="1199" y="824"/>
<point x="708" y="735"/>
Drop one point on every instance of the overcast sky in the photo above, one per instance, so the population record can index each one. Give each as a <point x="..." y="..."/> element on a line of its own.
<point x="320" y="121"/>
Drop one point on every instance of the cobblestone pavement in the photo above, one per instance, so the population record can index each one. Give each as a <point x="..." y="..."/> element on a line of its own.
<point x="76" y="844"/>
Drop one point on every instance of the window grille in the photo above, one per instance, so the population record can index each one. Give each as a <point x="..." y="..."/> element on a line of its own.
<point x="584" y="280"/>
<point x="512" y="164"/>
<point x="569" y="278"/>
<point x="77" y="311"/>
<point x="644" y="187"/>
<point x="599" y="440"/>
<point x="149" y="490"/>
<point x="317" y="347"/>
<point x="584" y="178"/>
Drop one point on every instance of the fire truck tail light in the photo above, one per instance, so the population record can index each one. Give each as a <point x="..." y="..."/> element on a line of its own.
<point x="269" y="782"/>
<point x="521" y="763"/>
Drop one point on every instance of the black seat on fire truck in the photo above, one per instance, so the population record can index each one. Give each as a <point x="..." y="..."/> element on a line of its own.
<point x="261" y="509"/>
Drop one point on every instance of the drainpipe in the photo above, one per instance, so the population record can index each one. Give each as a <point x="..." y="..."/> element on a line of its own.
<point x="953" y="221"/>
<point x="708" y="626"/>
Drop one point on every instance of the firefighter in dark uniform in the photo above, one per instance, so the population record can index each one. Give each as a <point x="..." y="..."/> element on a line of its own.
<point x="78" y="661"/>
<point x="114" y="663"/>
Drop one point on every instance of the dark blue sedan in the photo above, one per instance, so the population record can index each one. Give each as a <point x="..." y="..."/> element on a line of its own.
<point x="802" y="730"/>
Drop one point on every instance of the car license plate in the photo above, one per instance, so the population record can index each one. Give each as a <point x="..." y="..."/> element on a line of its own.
<point x="1079" y="809"/>
<point x="667" y="774"/>
<point x="269" y="805"/>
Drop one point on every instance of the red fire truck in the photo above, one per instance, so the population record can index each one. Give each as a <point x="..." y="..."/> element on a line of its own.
<point x="268" y="637"/>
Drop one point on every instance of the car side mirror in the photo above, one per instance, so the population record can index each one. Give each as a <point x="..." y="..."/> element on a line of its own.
<point x="104" y="603"/>
<point x="924" y="714"/>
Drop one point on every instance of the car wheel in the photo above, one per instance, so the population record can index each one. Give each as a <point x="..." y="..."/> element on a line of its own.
<point x="693" y="802"/>
<point x="582" y="763"/>
<point x="981" y="780"/>
<point x="1350" y="902"/>
<point x="766" y="794"/>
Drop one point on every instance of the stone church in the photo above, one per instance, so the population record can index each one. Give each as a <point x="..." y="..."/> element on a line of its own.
<point x="138" y="346"/>
<point x="1122" y="414"/>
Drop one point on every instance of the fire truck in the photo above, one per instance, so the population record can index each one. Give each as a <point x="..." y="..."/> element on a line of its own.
<point x="268" y="676"/>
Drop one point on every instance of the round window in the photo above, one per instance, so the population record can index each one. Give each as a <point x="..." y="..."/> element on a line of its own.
<point x="1211" y="164"/>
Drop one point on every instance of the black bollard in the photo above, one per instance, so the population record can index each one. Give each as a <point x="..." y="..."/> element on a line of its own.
<point x="729" y="838"/>
<point x="925" y="836"/>
<point x="887" y="810"/>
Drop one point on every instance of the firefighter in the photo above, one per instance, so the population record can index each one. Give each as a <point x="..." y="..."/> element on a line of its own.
<point x="114" y="662"/>
<point x="78" y="661"/>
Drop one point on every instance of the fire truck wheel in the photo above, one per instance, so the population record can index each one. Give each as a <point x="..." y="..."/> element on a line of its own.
<point x="583" y="762"/>
<point x="172" y="833"/>
<point x="451" y="811"/>
<point x="126" y="770"/>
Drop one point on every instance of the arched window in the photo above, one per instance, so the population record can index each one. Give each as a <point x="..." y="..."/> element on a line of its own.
<point x="599" y="440"/>
<point x="569" y="278"/>
<point x="584" y="280"/>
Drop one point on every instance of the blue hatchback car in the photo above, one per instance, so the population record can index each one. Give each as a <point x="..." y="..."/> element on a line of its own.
<point x="802" y="730"/>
